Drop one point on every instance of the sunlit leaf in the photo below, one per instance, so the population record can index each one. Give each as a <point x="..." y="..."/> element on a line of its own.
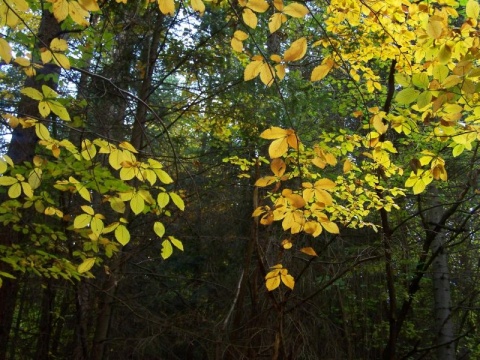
<point x="15" y="191"/>
<point x="309" y="251"/>
<point x="86" y="265"/>
<point x="167" y="249"/>
<point x="259" y="6"/>
<point x="177" y="200"/>
<point x="137" y="203"/>
<point x="159" y="228"/>
<point x="81" y="221"/>
<point x="122" y="234"/>
<point x="177" y="243"/>
<point x="295" y="10"/>
<point x="5" y="51"/>
<point x="296" y="51"/>
<point x="167" y="7"/>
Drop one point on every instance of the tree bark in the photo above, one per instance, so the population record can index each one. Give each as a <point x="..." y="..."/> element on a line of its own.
<point x="21" y="149"/>
<point x="441" y="287"/>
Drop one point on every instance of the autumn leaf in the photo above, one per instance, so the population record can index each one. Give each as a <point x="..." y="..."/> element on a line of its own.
<point x="295" y="10"/>
<point x="86" y="265"/>
<point x="296" y="51"/>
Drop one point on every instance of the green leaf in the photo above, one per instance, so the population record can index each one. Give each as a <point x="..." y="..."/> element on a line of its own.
<point x="407" y="96"/>
<point x="167" y="249"/>
<point x="420" y="80"/>
<point x="177" y="200"/>
<point x="86" y="265"/>
<point x="159" y="229"/>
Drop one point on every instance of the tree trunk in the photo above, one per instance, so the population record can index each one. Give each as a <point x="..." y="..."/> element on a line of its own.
<point x="22" y="148"/>
<point x="441" y="287"/>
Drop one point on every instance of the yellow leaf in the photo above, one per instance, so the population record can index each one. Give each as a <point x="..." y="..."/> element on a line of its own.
<point x="278" y="5"/>
<point x="272" y="280"/>
<point x="81" y="221"/>
<point x="472" y="9"/>
<point x="331" y="227"/>
<point x="27" y="189"/>
<point x="274" y="133"/>
<point x="97" y="226"/>
<point x="325" y="184"/>
<point x="295" y="10"/>
<point x="117" y="204"/>
<point x="309" y="251"/>
<point x="7" y="180"/>
<point x="445" y="54"/>
<point x="60" y="10"/>
<point x="434" y="29"/>
<point x="32" y="93"/>
<point x="137" y="204"/>
<point x="5" y="51"/>
<point x="265" y="181"/>
<point x="236" y="44"/>
<point x="295" y="200"/>
<point x="86" y="265"/>
<point x="288" y="281"/>
<point x="296" y="51"/>
<point x="252" y="70"/>
<point x="347" y="166"/>
<point x="259" y="6"/>
<point x="42" y="132"/>
<point x="267" y="74"/>
<point x="249" y="18"/>
<point x="163" y="176"/>
<point x="278" y="148"/>
<point x="163" y="199"/>
<point x="167" y="249"/>
<point x="458" y="149"/>
<point x="127" y="146"/>
<point x="15" y="191"/>
<point x="159" y="228"/>
<point x="59" y="110"/>
<point x="58" y="45"/>
<point x="313" y="228"/>
<point x="177" y="243"/>
<point x="35" y="178"/>
<point x="276" y="21"/>
<point x="320" y="72"/>
<point x="177" y="200"/>
<point x="278" y="167"/>
<point x="199" y="6"/>
<point x="280" y="71"/>
<point x="90" y="5"/>
<point x="286" y="244"/>
<point x="167" y="7"/>
<point x="78" y="14"/>
<point x="61" y="60"/>
<point x="116" y="158"/>
<point x="240" y="35"/>
<point x="122" y="234"/>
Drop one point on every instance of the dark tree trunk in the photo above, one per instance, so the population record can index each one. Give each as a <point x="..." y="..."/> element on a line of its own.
<point x="21" y="149"/>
